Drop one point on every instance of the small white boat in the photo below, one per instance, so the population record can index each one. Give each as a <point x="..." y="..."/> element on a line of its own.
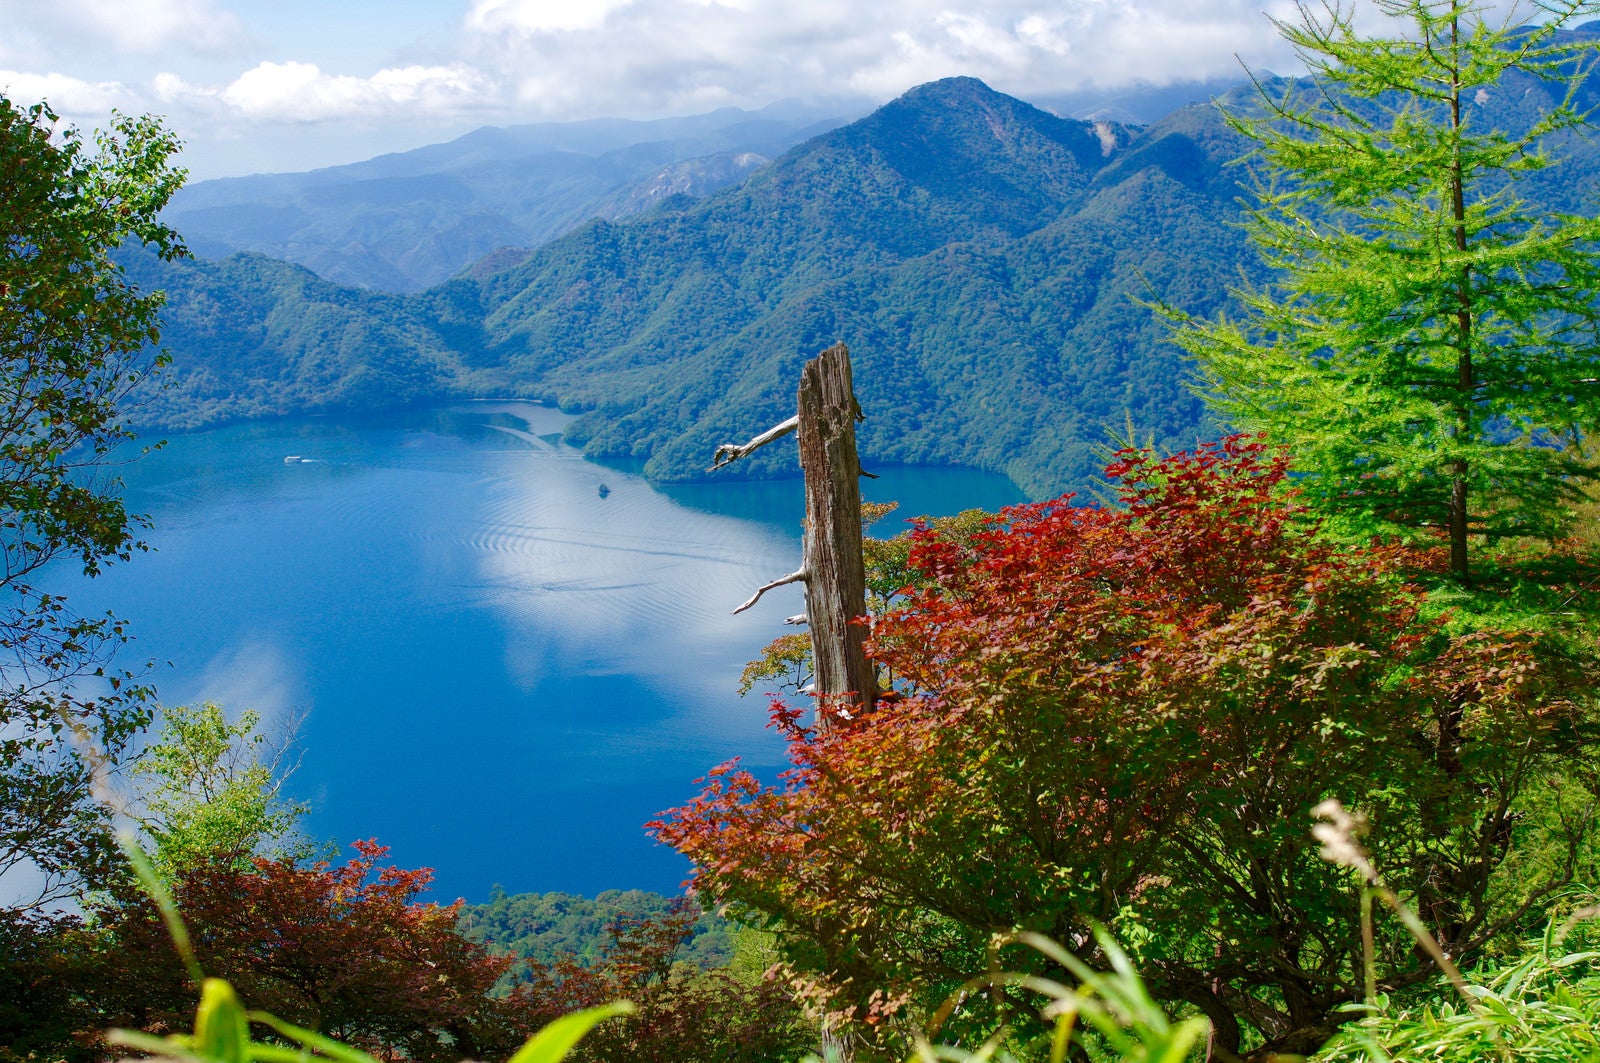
<point x="293" y="459"/>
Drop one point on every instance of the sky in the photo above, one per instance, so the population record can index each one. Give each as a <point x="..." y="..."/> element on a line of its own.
<point x="282" y="85"/>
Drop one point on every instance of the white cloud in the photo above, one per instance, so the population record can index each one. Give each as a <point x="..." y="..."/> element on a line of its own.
<point x="540" y="16"/>
<point x="259" y="676"/>
<point x="303" y="92"/>
<point x="72" y="98"/>
<point x="141" y="27"/>
<point x="630" y="56"/>
<point x="507" y="61"/>
<point x="1044" y="33"/>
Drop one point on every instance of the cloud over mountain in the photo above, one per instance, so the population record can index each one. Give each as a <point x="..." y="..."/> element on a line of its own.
<point x="294" y="84"/>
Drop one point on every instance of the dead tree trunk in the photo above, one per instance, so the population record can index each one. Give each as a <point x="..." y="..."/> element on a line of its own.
<point x="836" y="578"/>
<point x="832" y="567"/>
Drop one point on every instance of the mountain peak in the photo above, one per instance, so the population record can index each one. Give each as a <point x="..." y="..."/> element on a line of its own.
<point x="964" y="95"/>
<point x="992" y="156"/>
<point x="962" y="88"/>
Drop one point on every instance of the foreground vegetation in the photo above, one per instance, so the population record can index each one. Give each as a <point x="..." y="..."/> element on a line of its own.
<point x="1544" y="1007"/>
<point x="1123" y="717"/>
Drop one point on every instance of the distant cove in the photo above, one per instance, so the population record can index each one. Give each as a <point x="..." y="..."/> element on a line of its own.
<point x="501" y="670"/>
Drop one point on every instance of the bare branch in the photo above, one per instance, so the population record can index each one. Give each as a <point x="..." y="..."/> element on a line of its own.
<point x="797" y="620"/>
<point x="793" y="577"/>
<point x="728" y="453"/>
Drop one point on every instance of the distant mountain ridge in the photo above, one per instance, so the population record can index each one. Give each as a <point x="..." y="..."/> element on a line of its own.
<point x="405" y="221"/>
<point x="982" y="257"/>
<point x="976" y="252"/>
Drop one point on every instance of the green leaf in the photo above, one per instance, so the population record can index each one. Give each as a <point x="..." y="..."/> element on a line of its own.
<point x="221" y="1031"/>
<point x="309" y="1039"/>
<point x="551" y="1044"/>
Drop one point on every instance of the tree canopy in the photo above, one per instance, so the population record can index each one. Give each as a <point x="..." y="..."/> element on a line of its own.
<point x="211" y="790"/>
<point x="344" y="949"/>
<point x="1430" y="339"/>
<point x="1125" y="715"/>
<point x="75" y="338"/>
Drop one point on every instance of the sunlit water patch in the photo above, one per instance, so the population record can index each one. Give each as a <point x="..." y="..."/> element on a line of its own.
<point x="500" y="669"/>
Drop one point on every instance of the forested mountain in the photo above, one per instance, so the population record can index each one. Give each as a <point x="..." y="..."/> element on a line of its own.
<point x="405" y="221"/>
<point x="984" y="260"/>
<point x="978" y="255"/>
<point x="253" y="336"/>
<point x="548" y="927"/>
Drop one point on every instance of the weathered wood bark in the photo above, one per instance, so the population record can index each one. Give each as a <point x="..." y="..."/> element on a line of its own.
<point x="832" y="569"/>
<point x="836" y="579"/>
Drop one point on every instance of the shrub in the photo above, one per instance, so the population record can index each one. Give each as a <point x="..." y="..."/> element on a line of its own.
<point x="1124" y="716"/>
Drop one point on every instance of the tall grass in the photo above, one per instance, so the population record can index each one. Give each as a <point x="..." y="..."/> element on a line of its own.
<point x="1126" y="1022"/>
<point x="1542" y="1008"/>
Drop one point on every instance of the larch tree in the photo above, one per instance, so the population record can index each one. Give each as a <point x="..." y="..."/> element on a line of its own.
<point x="1431" y="338"/>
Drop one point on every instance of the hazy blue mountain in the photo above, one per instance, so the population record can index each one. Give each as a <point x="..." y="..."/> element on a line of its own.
<point x="1138" y="104"/>
<point x="405" y="221"/>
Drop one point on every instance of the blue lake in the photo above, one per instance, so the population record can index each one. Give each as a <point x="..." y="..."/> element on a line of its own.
<point x="497" y="671"/>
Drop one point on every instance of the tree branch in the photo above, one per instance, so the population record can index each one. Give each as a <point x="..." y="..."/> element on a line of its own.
<point x="794" y="577"/>
<point x="728" y="453"/>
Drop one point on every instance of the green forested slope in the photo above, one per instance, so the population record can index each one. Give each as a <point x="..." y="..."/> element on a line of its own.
<point x="979" y="256"/>
<point x="549" y="927"/>
<point x="976" y="253"/>
<point x="252" y="336"/>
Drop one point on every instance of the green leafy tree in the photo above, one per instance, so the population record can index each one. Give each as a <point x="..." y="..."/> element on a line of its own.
<point x="212" y="790"/>
<point x="74" y="340"/>
<point x="1431" y="335"/>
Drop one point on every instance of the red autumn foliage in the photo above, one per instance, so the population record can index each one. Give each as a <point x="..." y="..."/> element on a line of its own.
<point x="1124" y="715"/>
<point x="45" y="961"/>
<point x="339" y="948"/>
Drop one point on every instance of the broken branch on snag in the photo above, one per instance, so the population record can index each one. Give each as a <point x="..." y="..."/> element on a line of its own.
<point x="728" y="453"/>
<point x="793" y="577"/>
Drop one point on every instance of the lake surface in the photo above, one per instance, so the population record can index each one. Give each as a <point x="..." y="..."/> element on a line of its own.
<point x="496" y="670"/>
